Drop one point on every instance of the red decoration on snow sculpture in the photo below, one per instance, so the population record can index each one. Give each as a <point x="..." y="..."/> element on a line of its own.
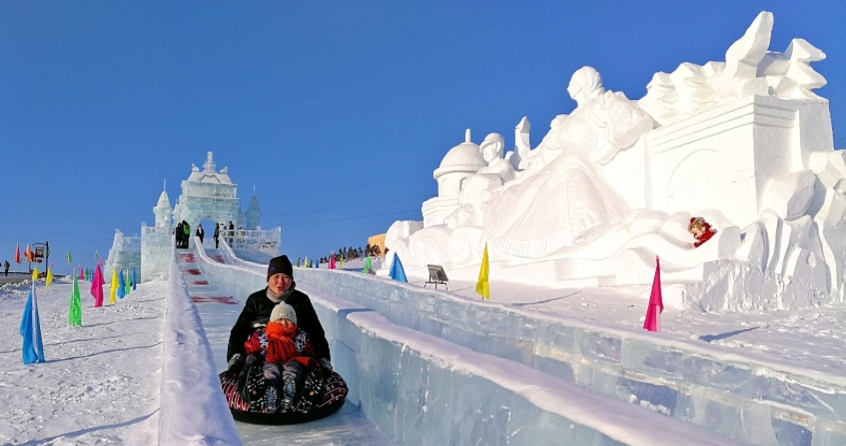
<point x="701" y="230"/>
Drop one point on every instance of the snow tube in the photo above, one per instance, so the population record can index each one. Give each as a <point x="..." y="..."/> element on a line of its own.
<point x="335" y="392"/>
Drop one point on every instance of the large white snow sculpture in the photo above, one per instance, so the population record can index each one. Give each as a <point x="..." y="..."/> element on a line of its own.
<point x="744" y="143"/>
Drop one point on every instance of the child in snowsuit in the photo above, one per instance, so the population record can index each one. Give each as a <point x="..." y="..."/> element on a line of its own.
<point x="288" y="357"/>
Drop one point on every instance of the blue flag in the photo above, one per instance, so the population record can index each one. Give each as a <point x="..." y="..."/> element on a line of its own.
<point x="134" y="279"/>
<point x="33" y="349"/>
<point x="121" y="291"/>
<point x="397" y="271"/>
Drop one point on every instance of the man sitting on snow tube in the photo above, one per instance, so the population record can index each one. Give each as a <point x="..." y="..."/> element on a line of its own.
<point x="252" y="384"/>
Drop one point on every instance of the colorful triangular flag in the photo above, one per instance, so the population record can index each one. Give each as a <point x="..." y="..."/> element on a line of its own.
<point x="114" y="287"/>
<point x="656" y="302"/>
<point x="121" y="290"/>
<point x="33" y="349"/>
<point x="397" y="271"/>
<point x="75" y="307"/>
<point x="483" y="285"/>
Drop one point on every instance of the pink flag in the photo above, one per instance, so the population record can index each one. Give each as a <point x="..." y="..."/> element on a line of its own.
<point x="656" y="302"/>
<point x="81" y="274"/>
<point x="331" y="260"/>
<point x="97" y="287"/>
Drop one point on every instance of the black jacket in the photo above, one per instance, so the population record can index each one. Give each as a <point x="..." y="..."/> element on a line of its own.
<point x="258" y="306"/>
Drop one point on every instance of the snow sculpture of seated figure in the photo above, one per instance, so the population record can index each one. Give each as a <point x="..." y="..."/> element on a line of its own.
<point x="479" y="189"/>
<point x="562" y="194"/>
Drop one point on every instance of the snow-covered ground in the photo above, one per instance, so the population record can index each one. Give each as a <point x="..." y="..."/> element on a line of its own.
<point x="813" y="339"/>
<point x="101" y="381"/>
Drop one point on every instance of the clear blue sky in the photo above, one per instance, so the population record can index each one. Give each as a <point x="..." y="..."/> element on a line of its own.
<point x="337" y="113"/>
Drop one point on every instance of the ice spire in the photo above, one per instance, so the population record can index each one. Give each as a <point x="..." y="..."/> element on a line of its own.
<point x="209" y="165"/>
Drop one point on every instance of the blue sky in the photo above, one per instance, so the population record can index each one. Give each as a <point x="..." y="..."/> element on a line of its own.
<point x="337" y="113"/>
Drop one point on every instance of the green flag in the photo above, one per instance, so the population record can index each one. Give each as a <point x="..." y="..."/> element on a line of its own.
<point x="368" y="265"/>
<point x="127" y="285"/>
<point x="70" y="259"/>
<point x="75" y="308"/>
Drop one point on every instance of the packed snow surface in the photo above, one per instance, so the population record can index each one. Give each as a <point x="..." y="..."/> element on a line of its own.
<point x="101" y="381"/>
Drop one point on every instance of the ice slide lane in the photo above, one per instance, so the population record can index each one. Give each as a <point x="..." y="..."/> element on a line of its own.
<point x="218" y="312"/>
<point x="465" y="391"/>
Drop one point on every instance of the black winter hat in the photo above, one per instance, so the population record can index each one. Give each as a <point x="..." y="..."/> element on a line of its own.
<point x="278" y="265"/>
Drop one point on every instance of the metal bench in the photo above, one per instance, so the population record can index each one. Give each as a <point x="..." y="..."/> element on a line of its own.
<point x="437" y="276"/>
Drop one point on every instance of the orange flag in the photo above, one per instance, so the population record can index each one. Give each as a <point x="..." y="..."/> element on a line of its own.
<point x="28" y="254"/>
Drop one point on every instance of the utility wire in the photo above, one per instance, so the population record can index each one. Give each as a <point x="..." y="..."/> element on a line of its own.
<point x="352" y="206"/>
<point x="346" y="188"/>
<point x="351" y="218"/>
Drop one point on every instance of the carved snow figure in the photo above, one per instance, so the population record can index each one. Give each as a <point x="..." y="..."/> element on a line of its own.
<point x="743" y="143"/>
<point x="562" y="193"/>
<point x="701" y="230"/>
<point x="479" y="189"/>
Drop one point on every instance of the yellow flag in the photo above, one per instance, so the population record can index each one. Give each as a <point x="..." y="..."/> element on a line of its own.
<point x="113" y="291"/>
<point x="49" y="276"/>
<point x="35" y="274"/>
<point x="483" y="286"/>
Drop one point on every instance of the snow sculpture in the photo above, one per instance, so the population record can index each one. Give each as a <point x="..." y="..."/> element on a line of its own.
<point x="568" y="193"/>
<point x="744" y="144"/>
<point x="749" y="70"/>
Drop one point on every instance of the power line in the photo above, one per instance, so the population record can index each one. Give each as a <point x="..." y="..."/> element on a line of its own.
<point x="345" y="188"/>
<point x="85" y="216"/>
<point x="350" y="218"/>
<point x="352" y="206"/>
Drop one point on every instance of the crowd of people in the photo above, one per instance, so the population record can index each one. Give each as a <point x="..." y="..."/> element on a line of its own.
<point x="350" y="253"/>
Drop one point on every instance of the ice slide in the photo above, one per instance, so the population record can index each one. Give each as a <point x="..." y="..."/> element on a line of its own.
<point x="218" y="311"/>
<point x="421" y="389"/>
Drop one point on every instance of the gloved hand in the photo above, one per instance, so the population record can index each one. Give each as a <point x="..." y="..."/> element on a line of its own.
<point x="235" y="363"/>
<point x="326" y="364"/>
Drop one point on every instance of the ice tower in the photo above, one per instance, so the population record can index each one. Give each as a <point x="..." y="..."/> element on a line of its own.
<point x="253" y="214"/>
<point x="163" y="211"/>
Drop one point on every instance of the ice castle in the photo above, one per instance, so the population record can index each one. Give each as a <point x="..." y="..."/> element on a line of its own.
<point x="206" y="194"/>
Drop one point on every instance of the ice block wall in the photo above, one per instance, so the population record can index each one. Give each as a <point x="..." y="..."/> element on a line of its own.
<point x="755" y="402"/>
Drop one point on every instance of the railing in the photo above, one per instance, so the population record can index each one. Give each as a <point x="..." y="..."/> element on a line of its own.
<point x="267" y="241"/>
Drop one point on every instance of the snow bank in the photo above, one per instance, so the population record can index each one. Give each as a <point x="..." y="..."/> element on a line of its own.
<point x="193" y="409"/>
